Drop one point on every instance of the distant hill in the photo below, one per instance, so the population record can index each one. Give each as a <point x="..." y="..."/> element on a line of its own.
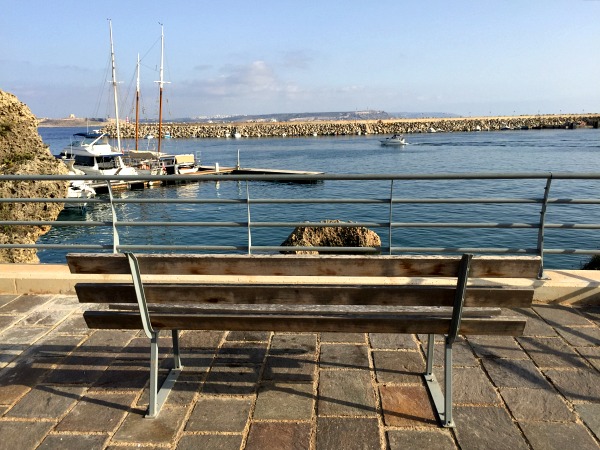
<point x="335" y="116"/>
<point x="316" y="116"/>
<point x="73" y="122"/>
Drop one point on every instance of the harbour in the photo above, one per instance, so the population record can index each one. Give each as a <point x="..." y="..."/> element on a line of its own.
<point x="532" y="151"/>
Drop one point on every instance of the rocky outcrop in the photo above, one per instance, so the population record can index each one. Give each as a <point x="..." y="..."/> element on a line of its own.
<point x="331" y="237"/>
<point x="22" y="152"/>
<point x="346" y="128"/>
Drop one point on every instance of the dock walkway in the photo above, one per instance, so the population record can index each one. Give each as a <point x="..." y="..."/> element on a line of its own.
<point x="65" y="386"/>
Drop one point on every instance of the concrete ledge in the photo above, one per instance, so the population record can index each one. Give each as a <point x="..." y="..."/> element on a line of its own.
<point x="567" y="287"/>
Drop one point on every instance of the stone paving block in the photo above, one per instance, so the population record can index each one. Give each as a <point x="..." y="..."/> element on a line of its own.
<point x="558" y="436"/>
<point x="393" y="341"/>
<point x="198" y="339"/>
<point x="577" y="385"/>
<point x="22" y="435"/>
<point x="6" y="321"/>
<point x="462" y="355"/>
<point x="73" y="442"/>
<point x="97" y="412"/>
<point x="285" y="401"/>
<point x="210" y="441"/>
<point x="537" y="404"/>
<point x="497" y="347"/>
<point x="234" y="380"/>
<point x="162" y="430"/>
<point x="591" y="354"/>
<point x="407" y="406"/>
<point x="591" y="313"/>
<point x="345" y="393"/>
<point x="558" y="316"/>
<point x="46" y="402"/>
<point x="344" y="356"/>
<point x="300" y="344"/>
<point x="420" y="439"/>
<point x="242" y="353"/>
<point x="590" y="414"/>
<point x="24" y="304"/>
<point x="348" y="338"/>
<point x="581" y="336"/>
<point x="22" y="334"/>
<point x="45" y="317"/>
<point x="551" y="352"/>
<point x="278" y="435"/>
<point x="55" y="347"/>
<point x="74" y="324"/>
<point x="398" y="366"/>
<point x="219" y="414"/>
<point x="249" y="336"/>
<point x="138" y="349"/>
<point x="125" y="375"/>
<point x="535" y="325"/>
<point x="9" y="353"/>
<point x="7" y="298"/>
<point x="470" y="385"/>
<point x="486" y="428"/>
<point x="281" y="368"/>
<point x="182" y="394"/>
<point x="515" y="373"/>
<point x="335" y="433"/>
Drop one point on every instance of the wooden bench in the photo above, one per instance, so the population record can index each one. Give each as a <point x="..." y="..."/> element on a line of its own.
<point x="431" y="295"/>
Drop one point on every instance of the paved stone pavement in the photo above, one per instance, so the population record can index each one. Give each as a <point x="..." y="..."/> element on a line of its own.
<point x="64" y="386"/>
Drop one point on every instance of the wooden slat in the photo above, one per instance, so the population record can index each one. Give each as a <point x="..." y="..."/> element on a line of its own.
<point x="304" y="294"/>
<point x="306" y="265"/>
<point x="309" y="323"/>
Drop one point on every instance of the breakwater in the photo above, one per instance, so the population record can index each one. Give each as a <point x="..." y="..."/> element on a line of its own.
<point x="341" y="128"/>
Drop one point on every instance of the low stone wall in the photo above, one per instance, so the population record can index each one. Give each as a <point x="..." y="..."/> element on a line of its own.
<point x="403" y="126"/>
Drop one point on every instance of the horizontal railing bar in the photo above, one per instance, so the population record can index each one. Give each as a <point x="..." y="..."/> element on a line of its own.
<point x="59" y="246"/>
<point x="56" y="223"/>
<point x="317" y="177"/>
<point x="464" y="250"/>
<point x="266" y="201"/>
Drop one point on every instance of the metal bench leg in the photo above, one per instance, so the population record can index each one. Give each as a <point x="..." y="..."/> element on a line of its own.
<point x="442" y="400"/>
<point x="176" y="357"/>
<point x="159" y="396"/>
<point x="153" y="407"/>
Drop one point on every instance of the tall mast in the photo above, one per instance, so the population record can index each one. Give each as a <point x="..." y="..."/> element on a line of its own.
<point x="114" y="83"/>
<point x="161" y="82"/>
<point x="137" y="103"/>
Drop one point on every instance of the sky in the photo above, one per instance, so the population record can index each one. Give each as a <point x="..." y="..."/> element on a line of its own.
<point x="229" y="57"/>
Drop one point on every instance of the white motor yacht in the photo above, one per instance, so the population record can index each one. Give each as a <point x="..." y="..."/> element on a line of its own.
<point x="396" y="139"/>
<point x="92" y="154"/>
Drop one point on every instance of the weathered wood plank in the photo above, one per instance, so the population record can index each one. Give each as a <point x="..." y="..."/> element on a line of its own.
<point x="306" y="265"/>
<point x="304" y="294"/>
<point x="309" y="323"/>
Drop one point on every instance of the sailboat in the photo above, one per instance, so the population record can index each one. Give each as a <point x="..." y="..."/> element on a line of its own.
<point x="90" y="152"/>
<point x="156" y="162"/>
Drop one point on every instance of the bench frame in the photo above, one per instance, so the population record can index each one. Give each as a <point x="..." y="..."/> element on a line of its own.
<point x="442" y="399"/>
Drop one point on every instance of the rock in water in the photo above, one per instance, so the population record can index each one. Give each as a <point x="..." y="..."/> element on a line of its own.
<point x="332" y="237"/>
<point x="22" y="152"/>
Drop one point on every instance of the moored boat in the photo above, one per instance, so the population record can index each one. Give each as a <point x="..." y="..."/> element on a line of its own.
<point x="396" y="139"/>
<point x="93" y="155"/>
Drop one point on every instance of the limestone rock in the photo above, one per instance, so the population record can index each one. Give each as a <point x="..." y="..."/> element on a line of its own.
<point x="22" y="152"/>
<point x="331" y="237"/>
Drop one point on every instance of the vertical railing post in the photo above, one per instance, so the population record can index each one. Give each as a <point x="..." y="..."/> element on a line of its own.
<point x="248" y="212"/>
<point x="540" y="240"/>
<point x="391" y="211"/>
<point x="114" y="217"/>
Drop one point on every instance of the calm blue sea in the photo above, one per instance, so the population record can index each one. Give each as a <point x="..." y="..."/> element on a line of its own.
<point x="502" y="151"/>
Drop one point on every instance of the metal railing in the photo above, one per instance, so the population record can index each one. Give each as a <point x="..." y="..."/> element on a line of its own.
<point x="392" y="193"/>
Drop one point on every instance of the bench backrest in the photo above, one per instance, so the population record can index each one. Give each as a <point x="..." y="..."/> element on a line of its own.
<point x="389" y="281"/>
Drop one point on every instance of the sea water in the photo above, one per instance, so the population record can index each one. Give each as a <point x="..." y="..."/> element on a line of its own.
<point x="538" y="151"/>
